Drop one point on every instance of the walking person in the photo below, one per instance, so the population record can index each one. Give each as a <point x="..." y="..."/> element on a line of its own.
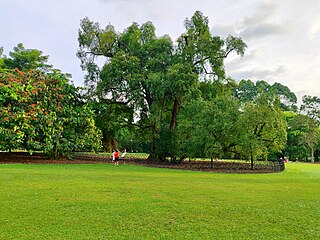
<point x="113" y="151"/>
<point x="116" y="157"/>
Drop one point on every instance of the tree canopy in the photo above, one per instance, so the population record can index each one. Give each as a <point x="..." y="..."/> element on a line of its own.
<point x="153" y="75"/>
<point x="172" y="98"/>
<point x="25" y="59"/>
<point x="42" y="111"/>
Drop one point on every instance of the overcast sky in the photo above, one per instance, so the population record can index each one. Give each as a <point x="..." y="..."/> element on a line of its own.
<point x="283" y="37"/>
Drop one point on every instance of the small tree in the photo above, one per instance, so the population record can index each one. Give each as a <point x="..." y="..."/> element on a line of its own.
<point x="262" y="129"/>
<point x="210" y="128"/>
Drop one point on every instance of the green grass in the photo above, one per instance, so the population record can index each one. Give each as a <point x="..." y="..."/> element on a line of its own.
<point x="102" y="201"/>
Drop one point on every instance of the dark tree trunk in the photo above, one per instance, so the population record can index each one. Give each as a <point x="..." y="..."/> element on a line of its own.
<point x="109" y="144"/>
<point x="252" y="166"/>
<point x="153" y="151"/>
<point x="316" y="155"/>
<point x="181" y="159"/>
<point x="174" y="115"/>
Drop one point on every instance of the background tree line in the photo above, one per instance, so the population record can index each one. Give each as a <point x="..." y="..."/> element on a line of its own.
<point x="171" y="99"/>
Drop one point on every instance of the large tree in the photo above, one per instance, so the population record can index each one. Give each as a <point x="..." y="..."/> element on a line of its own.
<point x="151" y="74"/>
<point x="44" y="112"/>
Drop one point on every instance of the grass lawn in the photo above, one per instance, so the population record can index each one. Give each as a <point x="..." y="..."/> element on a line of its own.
<point x="102" y="201"/>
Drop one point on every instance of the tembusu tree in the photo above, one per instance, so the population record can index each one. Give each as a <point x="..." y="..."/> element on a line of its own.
<point x="152" y="75"/>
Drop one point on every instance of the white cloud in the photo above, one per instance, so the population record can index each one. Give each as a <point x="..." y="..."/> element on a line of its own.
<point x="282" y="36"/>
<point x="283" y="45"/>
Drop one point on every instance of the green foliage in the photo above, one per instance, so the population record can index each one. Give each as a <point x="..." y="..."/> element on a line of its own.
<point x="150" y="75"/>
<point x="311" y="107"/>
<point x="263" y="130"/>
<point x="112" y="120"/>
<point x="209" y="128"/>
<point x="248" y="91"/>
<point x="43" y="112"/>
<point x="223" y="127"/>
<point x="25" y="59"/>
<point x="304" y="134"/>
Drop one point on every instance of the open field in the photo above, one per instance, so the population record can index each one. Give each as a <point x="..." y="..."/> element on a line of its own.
<point x="101" y="201"/>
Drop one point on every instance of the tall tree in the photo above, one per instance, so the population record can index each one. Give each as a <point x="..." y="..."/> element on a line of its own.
<point x="150" y="74"/>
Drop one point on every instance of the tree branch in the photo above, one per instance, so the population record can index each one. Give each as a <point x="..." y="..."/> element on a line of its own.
<point x="227" y="53"/>
<point x="201" y="60"/>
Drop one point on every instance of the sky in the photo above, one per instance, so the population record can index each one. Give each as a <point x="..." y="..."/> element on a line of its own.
<point x="283" y="37"/>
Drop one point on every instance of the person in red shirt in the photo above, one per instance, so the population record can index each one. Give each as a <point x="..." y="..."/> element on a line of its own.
<point x="116" y="157"/>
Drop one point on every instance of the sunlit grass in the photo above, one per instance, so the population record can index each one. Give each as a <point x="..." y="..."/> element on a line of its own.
<point x="102" y="201"/>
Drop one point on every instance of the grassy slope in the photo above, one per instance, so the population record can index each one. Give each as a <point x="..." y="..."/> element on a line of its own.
<point x="131" y="202"/>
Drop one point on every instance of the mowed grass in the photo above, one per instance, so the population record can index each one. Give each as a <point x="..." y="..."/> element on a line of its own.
<point x="102" y="201"/>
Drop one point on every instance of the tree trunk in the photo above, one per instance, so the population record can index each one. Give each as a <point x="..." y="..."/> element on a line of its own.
<point x="316" y="155"/>
<point x="312" y="154"/>
<point x="153" y="151"/>
<point x="251" y="157"/>
<point x="174" y="115"/>
<point x="108" y="144"/>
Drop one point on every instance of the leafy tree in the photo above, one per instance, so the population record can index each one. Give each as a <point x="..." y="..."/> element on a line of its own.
<point x="294" y="149"/>
<point x="112" y="120"/>
<point x="25" y="59"/>
<point x="210" y="128"/>
<point x="248" y="91"/>
<point x="150" y="74"/>
<point x="311" y="107"/>
<point x="220" y="125"/>
<point x="262" y="129"/>
<point x="43" y="111"/>
<point x="307" y="134"/>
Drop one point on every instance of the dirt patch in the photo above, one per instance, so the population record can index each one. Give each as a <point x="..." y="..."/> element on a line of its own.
<point x="79" y="158"/>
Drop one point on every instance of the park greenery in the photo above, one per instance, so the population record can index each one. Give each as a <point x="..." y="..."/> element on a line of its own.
<point x="172" y="99"/>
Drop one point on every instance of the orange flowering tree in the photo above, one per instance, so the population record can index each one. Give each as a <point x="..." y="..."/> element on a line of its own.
<point x="44" y="112"/>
